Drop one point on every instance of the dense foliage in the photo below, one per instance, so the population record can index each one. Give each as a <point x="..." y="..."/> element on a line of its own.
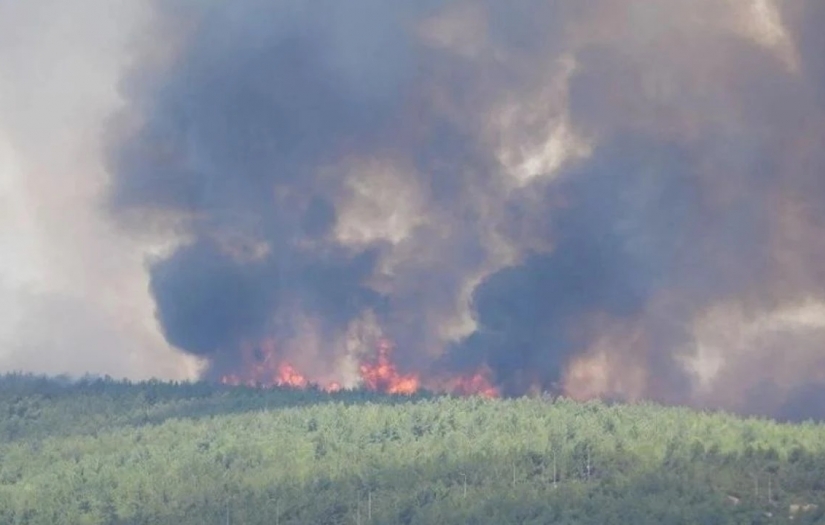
<point x="107" y="452"/>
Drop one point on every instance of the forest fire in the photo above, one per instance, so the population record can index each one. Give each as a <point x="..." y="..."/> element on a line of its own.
<point x="288" y="376"/>
<point x="382" y="375"/>
<point x="475" y="385"/>
<point x="285" y="375"/>
<point x="262" y="369"/>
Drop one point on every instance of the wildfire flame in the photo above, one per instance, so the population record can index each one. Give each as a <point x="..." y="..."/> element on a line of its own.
<point x="288" y="376"/>
<point x="477" y="384"/>
<point x="383" y="376"/>
<point x="261" y="368"/>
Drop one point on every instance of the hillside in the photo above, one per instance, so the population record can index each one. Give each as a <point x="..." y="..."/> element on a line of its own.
<point x="106" y="452"/>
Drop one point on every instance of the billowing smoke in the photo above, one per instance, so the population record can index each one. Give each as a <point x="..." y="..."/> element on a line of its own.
<point x="617" y="198"/>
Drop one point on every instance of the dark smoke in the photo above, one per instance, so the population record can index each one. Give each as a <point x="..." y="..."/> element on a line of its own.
<point x="617" y="241"/>
<point x="371" y="165"/>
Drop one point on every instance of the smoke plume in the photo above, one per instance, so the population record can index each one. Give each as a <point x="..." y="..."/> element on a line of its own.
<point x="616" y="198"/>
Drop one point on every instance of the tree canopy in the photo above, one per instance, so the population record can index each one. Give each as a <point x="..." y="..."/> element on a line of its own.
<point x="100" y="451"/>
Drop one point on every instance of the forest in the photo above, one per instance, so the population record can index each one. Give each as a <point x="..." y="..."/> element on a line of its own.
<point x="103" y="451"/>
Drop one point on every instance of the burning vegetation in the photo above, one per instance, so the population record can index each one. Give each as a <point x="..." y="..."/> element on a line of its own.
<point x="264" y="368"/>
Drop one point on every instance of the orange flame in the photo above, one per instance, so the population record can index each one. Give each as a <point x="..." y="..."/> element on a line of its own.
<point x="261" y="367"/>
<point x="477" y="384"/>
<point x="288" y="376"/>
<point x="383" y="376"/>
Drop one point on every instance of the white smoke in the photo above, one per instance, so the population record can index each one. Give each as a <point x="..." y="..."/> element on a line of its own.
<point x="73" y="291"/>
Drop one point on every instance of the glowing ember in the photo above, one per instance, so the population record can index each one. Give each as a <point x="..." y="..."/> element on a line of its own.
<point x="383" y="376"/>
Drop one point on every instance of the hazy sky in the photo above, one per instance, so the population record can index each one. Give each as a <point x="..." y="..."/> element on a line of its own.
<point x="73" y="291"/>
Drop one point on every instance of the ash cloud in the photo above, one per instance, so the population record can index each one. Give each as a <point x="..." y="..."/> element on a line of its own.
<point x="573" y="195"/>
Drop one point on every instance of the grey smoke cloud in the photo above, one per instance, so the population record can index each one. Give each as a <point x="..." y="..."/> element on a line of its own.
<point x="566" y="194"/>
<point x="616" y="198"/>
